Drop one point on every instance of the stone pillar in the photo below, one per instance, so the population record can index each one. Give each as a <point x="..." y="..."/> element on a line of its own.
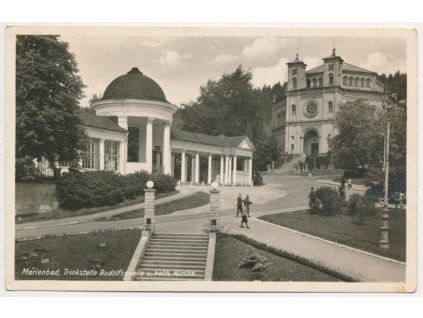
<point x="149" y="210"/>
<point x="221" y="176"/>
<point x="234" y="171"/>
<point x="192" y="169"/>
<point x="214" y="209"/>
<point x="209" y="172"/>
<point x="250" y="171"/>
<point x="149" y="144"/>
<point x="166" y="148"/>
<point x="197" y="168"/>
<point x="123" y="122"/>
<point x="226" y="169"/>
<point x="230" y="170"/>
<point x="183" y="168"/>
<point x="172" y="165"/>
<point x="101" y="150"/>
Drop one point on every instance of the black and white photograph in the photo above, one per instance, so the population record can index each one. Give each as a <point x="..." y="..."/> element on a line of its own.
<point x="211" y="158"/>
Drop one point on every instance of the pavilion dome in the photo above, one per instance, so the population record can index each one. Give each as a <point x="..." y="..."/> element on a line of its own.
<point x="134" y="85"/>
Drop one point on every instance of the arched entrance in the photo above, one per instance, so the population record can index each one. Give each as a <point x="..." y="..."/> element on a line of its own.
<point x="311" y="143"/>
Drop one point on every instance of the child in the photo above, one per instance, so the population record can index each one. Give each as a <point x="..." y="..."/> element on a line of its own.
<point x="244" y="219"/>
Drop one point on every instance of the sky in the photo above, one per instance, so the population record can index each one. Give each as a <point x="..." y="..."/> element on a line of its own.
<point x="182" y="64"/>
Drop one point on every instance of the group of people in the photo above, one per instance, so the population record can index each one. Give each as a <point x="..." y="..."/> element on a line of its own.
<point x="342" y="187"/>
<point x="243" y="208"/>
<point x="399" y="199"/>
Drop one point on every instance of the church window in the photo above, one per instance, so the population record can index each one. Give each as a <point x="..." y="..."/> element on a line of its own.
<point x="320" y="82"/>
<point x="91" y="154"/>
<point x="362" y="82"/>
<point x="292" y="147"/>
<point x="351" y="81"/>
<point x="345" y="81"/>
<point x="368" y="82"/>
<point x="330" y="107"/>
<point x="308" y="83"/>
<point x="330" y="79"/>
<point x="293" y="109"/>
<point x="314" y="82"/>
<point x="357" y="82"/>
<point x="111" y="155"/>
<point x="294" y="83"/>
<point x="294" y="71"/>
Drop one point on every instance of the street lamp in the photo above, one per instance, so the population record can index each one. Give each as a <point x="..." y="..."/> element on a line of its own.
<point x="384" y="229"/>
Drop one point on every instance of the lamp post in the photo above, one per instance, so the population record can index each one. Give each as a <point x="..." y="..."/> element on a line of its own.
<point x="384" y="229"/>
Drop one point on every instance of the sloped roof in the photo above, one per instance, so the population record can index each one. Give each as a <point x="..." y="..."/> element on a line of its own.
<point x="102" y="122"/>
<point x="353" y="68"/>
<point x="346" y="67"/>
<point x="219" y="141"/>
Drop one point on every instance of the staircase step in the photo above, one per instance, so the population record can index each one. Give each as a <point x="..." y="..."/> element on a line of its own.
<point x="172" y="262"/>
<point x="177" y="248"/>
<point x="174" y="256"/>
<point x="185" y="241"/>
<point x="171" y="266"/>
<point x="179" y="235"/>
<point x="168" y="278"/>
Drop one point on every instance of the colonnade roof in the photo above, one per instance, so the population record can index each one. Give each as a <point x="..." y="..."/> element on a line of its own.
<point x="102" y="122"/>
<point x="220" y="141"/>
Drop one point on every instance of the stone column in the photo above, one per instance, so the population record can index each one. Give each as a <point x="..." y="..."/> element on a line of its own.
<point x="172" y="165"/>
<point x="234" y="171"/>
<point x="214" y="209"/>
<point x="226" y="169"/>
<point x="123" y="122"/>
<point x="101" y="150"/>
<point x="250" y="171"/>
<point x="183" y="168"/>
<point x="230" y="170"/>
<point x="192" y="169"/>
<point x="197" y="168"/>
<point x="149" y="144"/>
<point x="149" y="210"/>
<point x="221" y="176"/>
<point x="166" y="148"/>
<point x="209" y="172"/>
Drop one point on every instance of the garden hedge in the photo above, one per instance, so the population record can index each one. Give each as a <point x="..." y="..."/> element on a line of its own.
<point x="106" y="188"/>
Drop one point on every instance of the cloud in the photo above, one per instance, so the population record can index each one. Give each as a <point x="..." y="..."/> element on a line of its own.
<point x="312" y="62"/>
<point x="384" y="63"/>
<point x="151" y="43"/>
<point x="265" y="48"/>
<point x="224" y="59"/>
<point x="172" y="59"/>
<point x="270" y="75"/>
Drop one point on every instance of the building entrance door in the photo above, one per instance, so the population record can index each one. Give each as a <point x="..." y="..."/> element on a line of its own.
<point x="315" y="149"/>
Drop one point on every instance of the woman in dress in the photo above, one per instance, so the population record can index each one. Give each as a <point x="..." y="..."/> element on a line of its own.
<point x="247" y="204"/>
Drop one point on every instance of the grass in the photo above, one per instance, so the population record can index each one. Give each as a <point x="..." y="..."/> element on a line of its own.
<point x="230" y="251"/>
<point x="193" y="201"/>
<point x="60" y="213"/>
<point x="77" y="252"/>
<point x="346" y="230"/>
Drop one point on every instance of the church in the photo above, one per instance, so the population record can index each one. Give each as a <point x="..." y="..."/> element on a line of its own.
<point x="132" y="130"/>
<point x="303" y="118"/>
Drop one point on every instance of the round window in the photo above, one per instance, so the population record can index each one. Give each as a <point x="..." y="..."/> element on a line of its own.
<point x="311" y="110"/>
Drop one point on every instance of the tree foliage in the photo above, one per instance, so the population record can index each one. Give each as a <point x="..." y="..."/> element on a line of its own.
<point x="359" y="140"/>
<point x="48" y="90"/>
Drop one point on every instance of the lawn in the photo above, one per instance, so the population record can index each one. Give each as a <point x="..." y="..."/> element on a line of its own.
<point x="108" y="251"/>
<point x="346" y="230"/>
<point x="230" y="252"/>
<point x="60" y="213"/>
<point x="193" y="201"/>
<point x="35" y="197"/>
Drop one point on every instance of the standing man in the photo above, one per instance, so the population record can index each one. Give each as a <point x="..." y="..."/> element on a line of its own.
<point x="239" y="205"/>
<point x="311" y="197"/>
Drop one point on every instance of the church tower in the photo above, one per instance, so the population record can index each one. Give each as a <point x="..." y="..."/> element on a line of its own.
<point x="296" y="74"/>
<point x="332" y="70"/>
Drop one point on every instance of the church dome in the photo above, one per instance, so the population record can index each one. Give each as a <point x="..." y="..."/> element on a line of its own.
<point x="134" y="85"/>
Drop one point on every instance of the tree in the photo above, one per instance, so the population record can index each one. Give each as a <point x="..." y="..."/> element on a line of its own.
<point x="359" y="142"/>
<point x="48" y="90"/>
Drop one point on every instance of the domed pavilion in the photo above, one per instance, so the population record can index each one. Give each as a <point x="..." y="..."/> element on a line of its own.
<point x="132" y="131"/>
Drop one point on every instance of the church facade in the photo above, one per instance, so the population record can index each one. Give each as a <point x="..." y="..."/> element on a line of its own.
<point x="303" y="120"/>
<point x="132" y="130"/>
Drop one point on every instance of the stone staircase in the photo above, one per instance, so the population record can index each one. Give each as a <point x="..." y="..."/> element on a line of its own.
<point x="174" y="257"/>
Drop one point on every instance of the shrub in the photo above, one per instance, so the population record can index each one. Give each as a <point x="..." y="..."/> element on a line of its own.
<point x="361" y="205"/>
<point x="354" y="204"/>
<point x="106" y="188"/>
<point x="25" y="169"/>
<point x="328" y="202"/>
<point x="257" y="178"/>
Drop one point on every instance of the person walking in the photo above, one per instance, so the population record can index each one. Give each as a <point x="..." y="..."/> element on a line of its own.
<point x="247" y="204"/>
<point x="244" y="219"/>
<point x="239" y="205"/>
<point x="349" y="184"/>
